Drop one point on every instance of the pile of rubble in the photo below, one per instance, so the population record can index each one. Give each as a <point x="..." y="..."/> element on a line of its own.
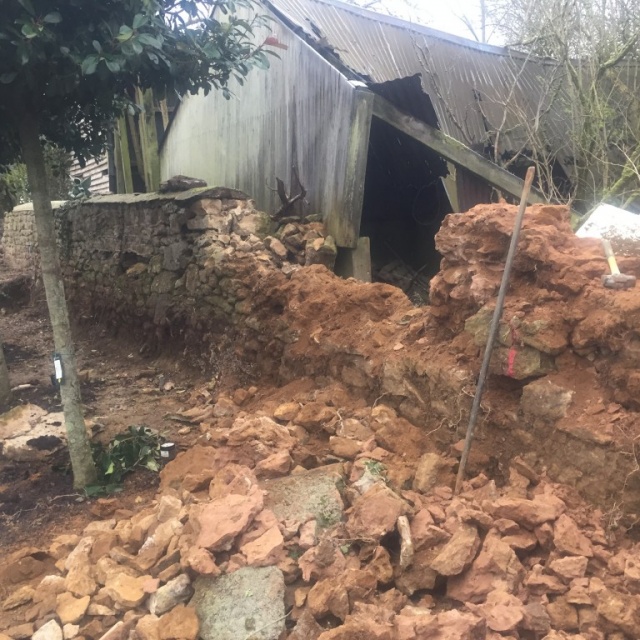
<point x="321" y="511"/>
<point x="326" y="518"/>
<point x="557" y="314"/>
<point x="303" y="243"/>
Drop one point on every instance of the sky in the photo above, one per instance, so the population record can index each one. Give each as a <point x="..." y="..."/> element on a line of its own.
<point x="439" y="14"/>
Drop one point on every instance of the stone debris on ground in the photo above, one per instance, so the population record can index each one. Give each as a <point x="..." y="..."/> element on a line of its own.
<point x="330" y="548"/>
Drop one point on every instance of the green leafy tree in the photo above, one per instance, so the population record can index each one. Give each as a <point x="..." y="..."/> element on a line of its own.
<point x="66" y="67"/>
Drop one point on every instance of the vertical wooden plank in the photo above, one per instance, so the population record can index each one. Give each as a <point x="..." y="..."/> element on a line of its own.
<point x="124" y="160"/>
<point x="149" y="140"/>
<point x="117" y="161"/>
<point x="343" y="222"/>
<point x="451" y="187"/>
<point x="355" y="263"/>
<point x="134" y="130"/>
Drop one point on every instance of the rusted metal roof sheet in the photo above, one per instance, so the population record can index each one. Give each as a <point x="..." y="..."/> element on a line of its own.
<point x="469" y="84"/>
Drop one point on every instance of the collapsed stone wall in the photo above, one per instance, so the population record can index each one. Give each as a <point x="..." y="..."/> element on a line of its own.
<point x="199" y="270"/>
<point x="562" y="391"/>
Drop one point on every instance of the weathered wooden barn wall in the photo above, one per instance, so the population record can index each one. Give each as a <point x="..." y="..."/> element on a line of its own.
<point x="99" y="172"/>
<point x="298" y="113"/>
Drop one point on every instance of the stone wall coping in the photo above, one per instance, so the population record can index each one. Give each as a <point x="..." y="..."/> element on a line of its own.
<point x="185" y="197"/>
<point x="28" y="206"/>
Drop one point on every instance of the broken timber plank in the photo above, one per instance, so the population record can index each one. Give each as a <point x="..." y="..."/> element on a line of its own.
<point x="452" y="150"/>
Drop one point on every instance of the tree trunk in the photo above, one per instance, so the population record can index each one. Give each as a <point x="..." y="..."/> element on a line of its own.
<point x="5" y="385"/>
<point x="84" y="471"/>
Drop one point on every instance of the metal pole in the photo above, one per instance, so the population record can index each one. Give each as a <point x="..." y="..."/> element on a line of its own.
<point x="493" y="329"/>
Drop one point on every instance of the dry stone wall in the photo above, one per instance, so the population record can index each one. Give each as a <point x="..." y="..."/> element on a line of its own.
<point x="19" y="243"/>
<point x="173" y="267"/>
<point x="157" y="260"/>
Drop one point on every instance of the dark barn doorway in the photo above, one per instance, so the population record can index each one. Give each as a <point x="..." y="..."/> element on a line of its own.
<point x="405" y="202"/>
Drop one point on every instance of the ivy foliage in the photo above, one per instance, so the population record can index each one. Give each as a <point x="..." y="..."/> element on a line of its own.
<point x="73" y="62"/>
<point x="138" y="447"/>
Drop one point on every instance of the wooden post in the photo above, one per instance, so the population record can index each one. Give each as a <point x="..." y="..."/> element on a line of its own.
<point x="450" y="186"/>
<point x="123" y="158"/>
<point x="149" y="140"/>
<point x="344" y="223"/>
<point x="135" y="141"/>
<point x="355" y="263"/>
<point x="164" y="110"/>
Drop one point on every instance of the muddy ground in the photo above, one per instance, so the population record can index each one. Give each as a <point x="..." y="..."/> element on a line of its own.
<point x="120" y="388"/>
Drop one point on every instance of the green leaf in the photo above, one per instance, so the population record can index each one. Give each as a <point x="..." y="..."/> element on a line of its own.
<point x="113" y="66"/>
<point x="29" y="30"/>
<point x="65" y="51"/>
<point x="152" y="465"/>
<point x="212" y="51"/>
<point x="125" y="33"/>
<point x="140" y="20"/>
<point x="262" y="62"/>
<point x="89" y="65"/>
<point x="7" y="78"/>
<point x="137" y="47"/>
<point x="52" y="18"/>
<point x="149" y="40"/>
<point x="94" y="490"/>
<point x="110" y="469"/>
<point x="97" y="46"/>
<point x="23" y="54"/>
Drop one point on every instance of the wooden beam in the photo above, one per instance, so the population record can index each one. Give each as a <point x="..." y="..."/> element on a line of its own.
<point x="343" y="223"/>
<point x="453" y="150"/>
<point x="117" y="161"/>
<point x="164" y="110"/>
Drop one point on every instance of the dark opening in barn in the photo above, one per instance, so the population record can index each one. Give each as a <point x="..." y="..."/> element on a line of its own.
<point x="405" y="199"/>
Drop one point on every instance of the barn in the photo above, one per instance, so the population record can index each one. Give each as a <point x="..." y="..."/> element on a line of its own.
<point x="387" y="125"/>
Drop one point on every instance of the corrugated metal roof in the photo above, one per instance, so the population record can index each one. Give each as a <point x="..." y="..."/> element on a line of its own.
<point x="469" y="83"/>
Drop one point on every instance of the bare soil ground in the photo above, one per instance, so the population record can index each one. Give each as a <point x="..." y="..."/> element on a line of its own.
<point x="121" y="388"/>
